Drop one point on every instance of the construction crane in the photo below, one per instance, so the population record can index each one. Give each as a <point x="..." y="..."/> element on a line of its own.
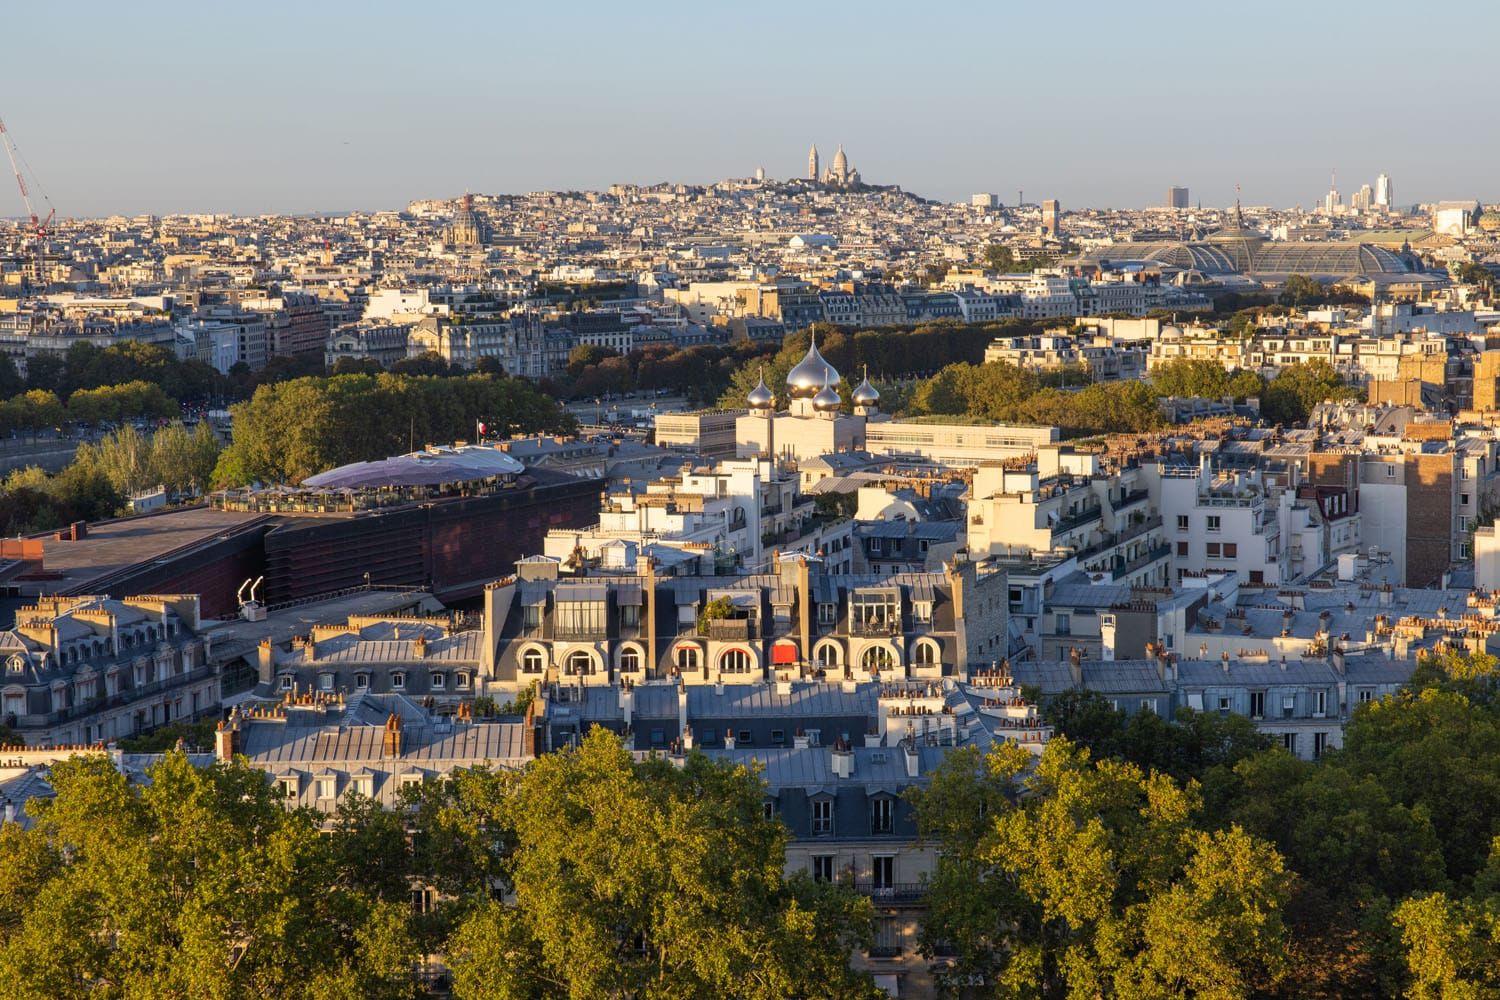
<point x="38" y="226"/>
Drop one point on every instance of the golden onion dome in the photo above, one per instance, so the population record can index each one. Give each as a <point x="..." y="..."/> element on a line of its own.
<point x="761" y="398"/>
<point x="810" y="373"/>
<point x="826" y="398"/>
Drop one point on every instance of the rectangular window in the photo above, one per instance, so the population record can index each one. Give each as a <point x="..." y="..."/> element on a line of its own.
<point x="286" y="681"/>
<point x="1211" y="550"/>
<point x="1182" y="549"/>
<point x="1463" y="499"/>
<point x="882" y="815"/>
<point x="1213" y="522"/>
<point x="822" y="867"/>
<point x="531" y="616"/>
<point x="1364" y="695"/>
<point x="1231" y="550"/>
<point x="1288" y="706"/>
<point x="1320" y="702"/>
<point x="289" y="788"/>
<point x="327" y="787"/>
<point x="822" y="816"/>
<point x="1223" y="706"/>
<point x="1320" y="743"/>
<point x="921" y="612"/>
<point x="1182" y="522"/>
<point x="1257" y="704"/>
<point x="778" y="737"/>
<point x="398" y="680"/>
<point x="883" y="871"/>
<point x="1064" y="625"/>
<point x="325" y="682"/>
<point x="710" y="736"/>
<point x="1390" y="473"/>
<point x="630" y="615"/>
<point x="1289" y="742"/>
<point x="827" y="614"/>
<point x="743" y="739"/>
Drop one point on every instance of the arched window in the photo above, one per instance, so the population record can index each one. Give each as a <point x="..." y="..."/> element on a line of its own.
<point x="877" y="658"/>
<point x="687" y="658"/>
<point x="828" y="655"/>
<point x="531" y="661"/>
<point x="630" y="659"/>
<point x="580" y="663"/>
<point x="735" y="661"/>
<point x="926" y="654"/>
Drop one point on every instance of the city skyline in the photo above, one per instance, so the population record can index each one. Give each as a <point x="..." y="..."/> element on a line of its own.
<point x="307" y="110"/>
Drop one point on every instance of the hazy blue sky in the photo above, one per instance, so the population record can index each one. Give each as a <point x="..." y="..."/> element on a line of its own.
<point x="295" y="107"/>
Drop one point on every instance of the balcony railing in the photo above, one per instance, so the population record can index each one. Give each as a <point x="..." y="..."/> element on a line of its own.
<point x="128" y="696"/>
<point x="896" y="892"/>
<point x="1146" y="558"/>
<point x="1071" y="521"/>
<point x="1130" y="499"/>
<point x="730" y="630"/>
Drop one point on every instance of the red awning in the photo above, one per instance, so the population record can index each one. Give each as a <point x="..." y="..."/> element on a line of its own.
<point x="784" y="652"/>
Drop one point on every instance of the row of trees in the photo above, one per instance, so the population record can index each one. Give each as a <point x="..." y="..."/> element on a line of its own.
<point x="40" y="409"/>
<point x="1286" y="399"/>
<point x="102" y="475"/>
<point x="1154" y="859"/>
<point x="291" y="430"/>
<point x="700" y="373"/>
<point x="589" y="875"/>
<point x="891" y="352"/>
<point x="1005" y="392"/>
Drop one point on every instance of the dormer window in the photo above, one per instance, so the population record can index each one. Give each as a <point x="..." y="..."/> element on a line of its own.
<point x="325" y="682"/>
<point x="398" y="680"/>
<point x="284" y="682"/>
<point x="461" y="680"/>
<point x="822" y="815"/>
<point x="439" y="681"/>
<point x="361" y="682"/>
<point x="531" y="661"/>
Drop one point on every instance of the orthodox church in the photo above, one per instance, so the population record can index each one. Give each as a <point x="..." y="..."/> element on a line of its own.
<point x="813" y="424"/>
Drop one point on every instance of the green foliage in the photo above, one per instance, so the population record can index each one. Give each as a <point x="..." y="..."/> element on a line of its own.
<point x="653" y="880"/>
<point x="199" y="884"/>
<point x="1096" y="882"/>
<point x="32" y="501"/>
<point x="291" y="430"/>
<point x="1297" y="388"/>
<point x="1000" y="391"/>
<point x="194" y="735"/>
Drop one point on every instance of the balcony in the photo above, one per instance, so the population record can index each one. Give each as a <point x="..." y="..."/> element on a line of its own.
<point x="897" y="892"/>
<point x="1130" y="500"/>
<point x="730" y="630"/>
<point x="1078" y="520"/>
<point x="126" y="697"/>
<point x="1151" y="555"/>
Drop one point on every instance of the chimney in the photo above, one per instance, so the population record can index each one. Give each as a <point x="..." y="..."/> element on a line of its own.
<point x="650" y="612"/>
<point x="419" y="647"/>
<point x="799" y="741"/>
<point x="1224" y="660"/>
<point x="1386" y="597"/>
<point x="843" y="760"/>
<point x="627" y="702"/>
<point x="1075" y="666"/>
<point x="265" y="658"/>
<point x="227" y="740"/>
<point x="391" y="744"/>
<point x="1338" y="659"/>
<point x="913" y="758"/>
<point x="682" y="705"/>
<point x="804" y="609"/>
<point x="687" y="740"/>
<point x="729" y="739"/>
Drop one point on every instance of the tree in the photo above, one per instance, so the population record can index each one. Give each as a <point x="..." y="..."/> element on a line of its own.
<point x="654" y="880"/>
<point x="1189" y="377"/>
<point x="1096" y="882"/>
<point x="197" y="884"/>
<point x="1000" y="258"/>
<point x="1297" y="388"/>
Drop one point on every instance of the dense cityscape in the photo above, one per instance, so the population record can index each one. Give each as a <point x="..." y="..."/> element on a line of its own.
<point x="799" y="585"/>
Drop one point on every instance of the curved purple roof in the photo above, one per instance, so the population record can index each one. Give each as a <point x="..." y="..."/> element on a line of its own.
<point x="421" y="468"/>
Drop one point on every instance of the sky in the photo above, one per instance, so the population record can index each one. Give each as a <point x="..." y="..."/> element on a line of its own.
<point x="319" y="106"/>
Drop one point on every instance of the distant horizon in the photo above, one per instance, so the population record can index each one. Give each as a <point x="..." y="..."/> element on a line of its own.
<point x="175" y="107"/>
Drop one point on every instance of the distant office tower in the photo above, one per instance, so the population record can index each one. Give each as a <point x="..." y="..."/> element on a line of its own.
<point x="1051" y="210"/>
<point x="760" y="173"/>
<point x="984" y="200"/>
<point x="1383" y="194"/>
<point x="1362" y="199"/>
<point x="1177" y="197"/>
<point x="812" y="164"/>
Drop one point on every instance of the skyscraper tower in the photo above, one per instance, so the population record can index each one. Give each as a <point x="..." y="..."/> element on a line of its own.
<point x="1383" y="191"/>
<point x="812" y="164"/>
